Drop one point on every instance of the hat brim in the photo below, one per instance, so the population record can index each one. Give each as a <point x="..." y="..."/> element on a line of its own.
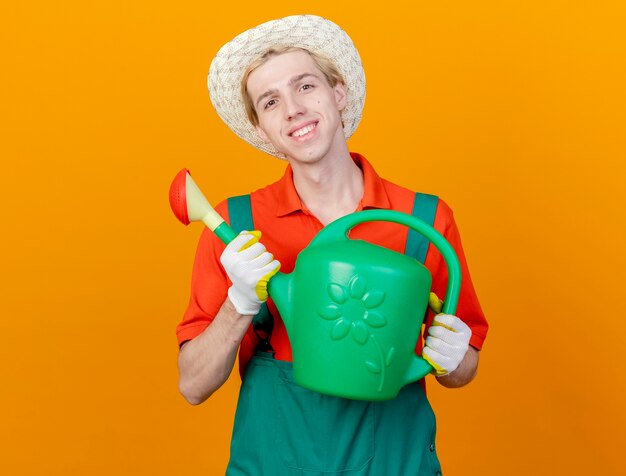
<point x="310" y="32"/>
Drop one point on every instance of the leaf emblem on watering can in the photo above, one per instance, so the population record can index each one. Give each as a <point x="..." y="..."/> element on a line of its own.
<point x="353" y="309"/>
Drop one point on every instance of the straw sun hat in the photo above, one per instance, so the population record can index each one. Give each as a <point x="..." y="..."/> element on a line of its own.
<point x="310" y="32"/>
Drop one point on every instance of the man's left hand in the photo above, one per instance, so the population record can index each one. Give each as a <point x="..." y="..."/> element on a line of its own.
<point x="446" y="344"/>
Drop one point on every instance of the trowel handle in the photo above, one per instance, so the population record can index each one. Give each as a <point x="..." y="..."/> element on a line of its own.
<point x="339" y="230"/>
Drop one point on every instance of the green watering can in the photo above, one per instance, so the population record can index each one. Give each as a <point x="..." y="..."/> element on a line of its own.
<point x="353" y="310"/>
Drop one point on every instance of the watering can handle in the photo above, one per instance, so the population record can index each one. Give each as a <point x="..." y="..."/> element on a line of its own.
<point x="340" y="228"/>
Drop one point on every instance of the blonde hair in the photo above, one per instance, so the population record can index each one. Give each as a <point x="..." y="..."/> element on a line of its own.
<point x="326" y="66"/>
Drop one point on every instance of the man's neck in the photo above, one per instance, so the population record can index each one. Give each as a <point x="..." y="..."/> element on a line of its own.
<point x="330" y="188"/>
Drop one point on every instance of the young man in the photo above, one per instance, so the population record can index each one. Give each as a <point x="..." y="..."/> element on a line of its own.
<point x="294" y="87"/>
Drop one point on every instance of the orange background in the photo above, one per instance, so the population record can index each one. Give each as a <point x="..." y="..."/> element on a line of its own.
<point x="514" y="112"/>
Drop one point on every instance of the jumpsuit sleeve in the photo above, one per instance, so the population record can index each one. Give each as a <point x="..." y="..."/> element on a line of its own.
<point x="209" y="285"/>
<point x="468" y="308"/>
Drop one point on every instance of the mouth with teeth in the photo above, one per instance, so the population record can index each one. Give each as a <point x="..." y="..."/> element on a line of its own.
<point x="304" y="131"/>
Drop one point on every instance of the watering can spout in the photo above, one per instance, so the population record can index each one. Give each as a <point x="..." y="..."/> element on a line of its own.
<point x="279" y="289"/>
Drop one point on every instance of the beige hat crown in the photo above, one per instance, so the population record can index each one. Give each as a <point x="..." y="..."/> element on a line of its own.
<point x="310" y="32"/>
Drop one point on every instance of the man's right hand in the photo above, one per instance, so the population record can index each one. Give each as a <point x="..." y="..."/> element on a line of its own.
<point x="249" y="266"/>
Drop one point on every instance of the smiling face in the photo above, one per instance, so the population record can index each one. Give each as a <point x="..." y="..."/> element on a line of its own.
<point x="298" y="111"/>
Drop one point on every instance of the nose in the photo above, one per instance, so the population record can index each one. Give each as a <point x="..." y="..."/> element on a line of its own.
<point x="293" y="106"/>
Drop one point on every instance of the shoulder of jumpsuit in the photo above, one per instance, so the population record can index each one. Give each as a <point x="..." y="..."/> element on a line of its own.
<point x="444" y="218"/>
<point x="445" y="224"/>
<point x="402" y="199"/>
<point x="208" y="240"/>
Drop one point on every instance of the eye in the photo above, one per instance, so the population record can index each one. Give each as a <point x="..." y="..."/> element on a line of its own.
<point x="305" y="87"/>
<point x="269" y="103"/>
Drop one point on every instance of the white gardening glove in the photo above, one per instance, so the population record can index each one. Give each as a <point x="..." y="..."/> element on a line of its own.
<point x="446" y="344"/>
<point x="249" y="266"/>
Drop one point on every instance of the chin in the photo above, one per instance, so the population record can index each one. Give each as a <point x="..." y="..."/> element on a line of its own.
<point x="309" y="156"/>
<point x="306" y="158"/>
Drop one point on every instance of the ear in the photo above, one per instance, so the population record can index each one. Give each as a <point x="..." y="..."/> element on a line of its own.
<point x="261" y="133"/>
<point x="340" y="96"/>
